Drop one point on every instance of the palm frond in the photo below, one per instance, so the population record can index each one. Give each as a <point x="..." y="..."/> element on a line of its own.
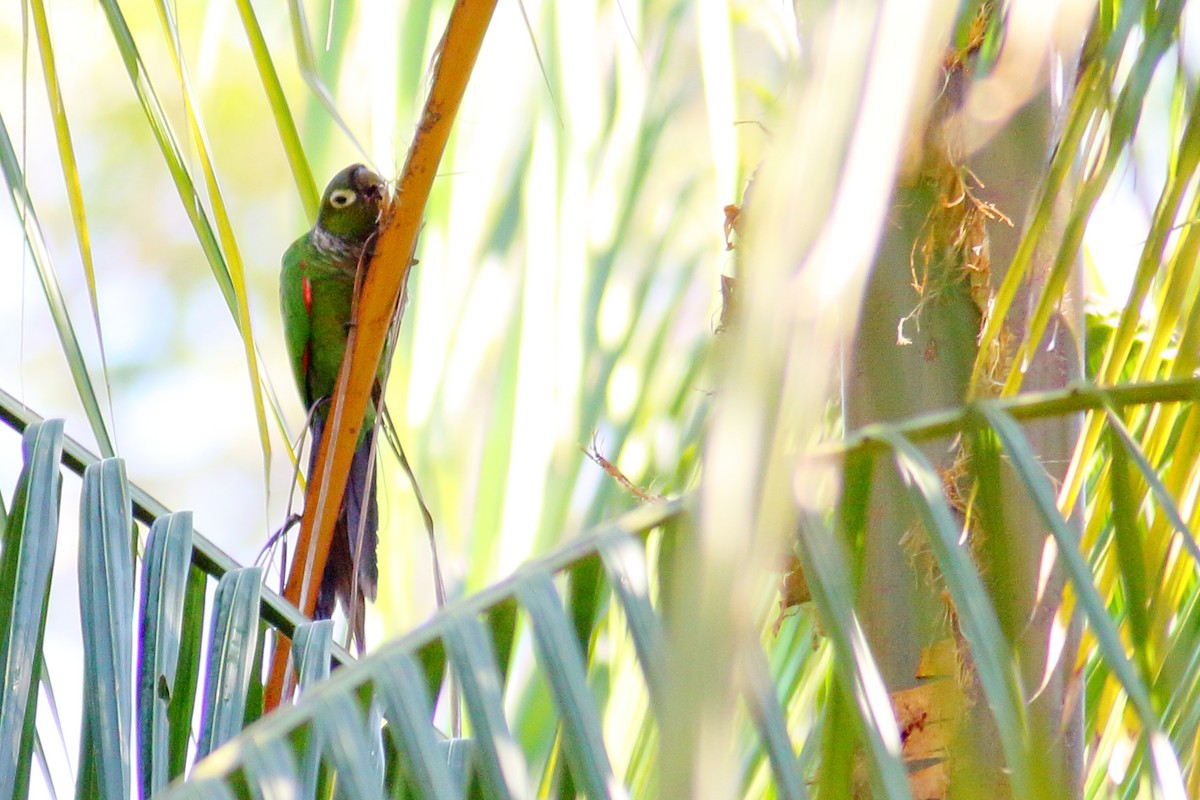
<point x="389" y="676"/>
<point x="972" y="610"/>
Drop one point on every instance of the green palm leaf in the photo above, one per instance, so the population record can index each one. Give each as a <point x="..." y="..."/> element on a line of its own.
<point x="165" y="572"/>
<point x="106" y="609"/>
<point x="231" y="652"/>
<point x="26" y="564"/>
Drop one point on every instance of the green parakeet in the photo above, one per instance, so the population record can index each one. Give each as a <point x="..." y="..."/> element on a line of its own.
<point x="316" y="293"/>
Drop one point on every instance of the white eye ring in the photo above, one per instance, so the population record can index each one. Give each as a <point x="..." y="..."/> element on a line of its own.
<point x="340" y="198"/>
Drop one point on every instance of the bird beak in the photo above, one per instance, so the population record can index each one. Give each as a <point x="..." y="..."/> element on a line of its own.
<point x="368" y="183"/>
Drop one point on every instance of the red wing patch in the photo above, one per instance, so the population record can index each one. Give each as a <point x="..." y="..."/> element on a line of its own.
<point x="305" y="362"/>
<point x="306" y="287"/>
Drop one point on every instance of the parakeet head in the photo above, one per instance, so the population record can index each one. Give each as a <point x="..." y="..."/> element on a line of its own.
<point x="350" y="207"/>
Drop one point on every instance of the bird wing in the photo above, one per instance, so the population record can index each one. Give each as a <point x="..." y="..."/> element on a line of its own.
<point x="295" y="301"/>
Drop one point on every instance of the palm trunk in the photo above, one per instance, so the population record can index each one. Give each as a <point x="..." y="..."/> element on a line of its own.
<point x="914" y="353"/>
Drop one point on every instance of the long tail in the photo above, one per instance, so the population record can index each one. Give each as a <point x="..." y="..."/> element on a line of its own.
<point x="347" y="555"/>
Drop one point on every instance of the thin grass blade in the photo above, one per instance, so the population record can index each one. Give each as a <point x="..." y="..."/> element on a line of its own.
<point x="66" y="157"/>
<point x="233" y="257"/>
<point x="306" y="186"/>
<point x="1111" y="649"/>
<point x="193" y="205"/>
<point x="312" y="76"/>
<point x="52" y="289"/>
<point x="1092" y="87"/>
<point x="1119" y="354"/>
<point x="164" y="134"/>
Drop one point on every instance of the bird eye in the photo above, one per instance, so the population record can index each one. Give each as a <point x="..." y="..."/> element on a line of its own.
<point x="341" y="198"/>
